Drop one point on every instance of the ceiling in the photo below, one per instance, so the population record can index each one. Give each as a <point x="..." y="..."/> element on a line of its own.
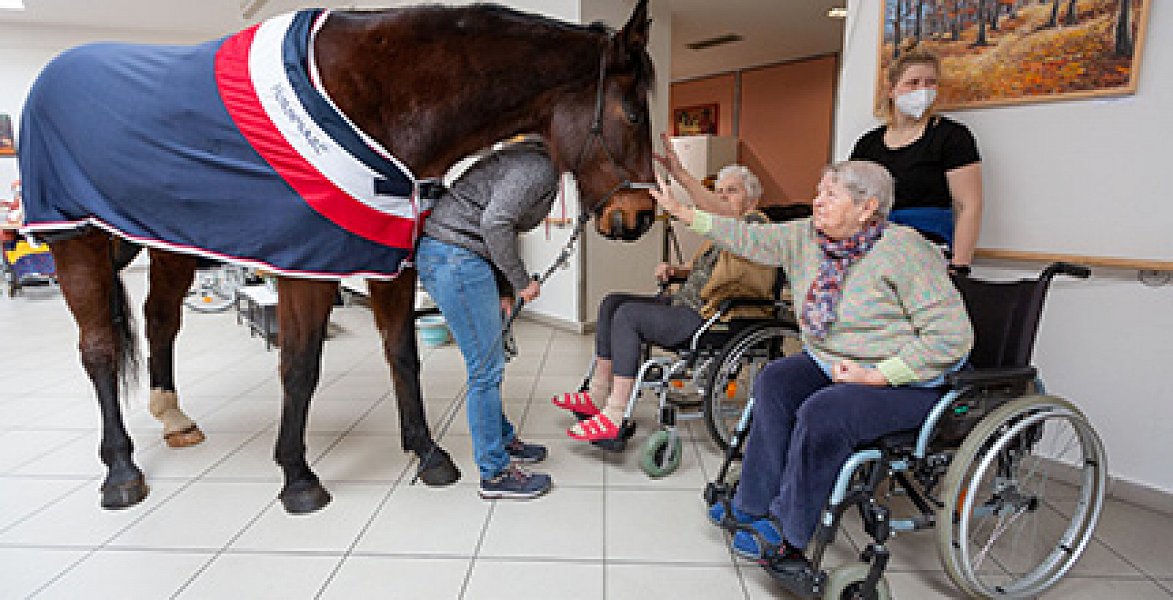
<point x="773" y="30"/>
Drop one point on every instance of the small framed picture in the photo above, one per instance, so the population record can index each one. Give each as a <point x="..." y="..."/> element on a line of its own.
<point x="7" y="140"/>
<point x="695" y="120"/>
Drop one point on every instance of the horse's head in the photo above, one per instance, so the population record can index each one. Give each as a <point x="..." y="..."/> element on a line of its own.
<point x="603" y="135"/>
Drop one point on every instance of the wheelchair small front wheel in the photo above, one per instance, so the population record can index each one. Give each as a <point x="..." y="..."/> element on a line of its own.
<point x="661" y="454"/>
<point x="1021" y="498"/>
<point x="845" y="583"/>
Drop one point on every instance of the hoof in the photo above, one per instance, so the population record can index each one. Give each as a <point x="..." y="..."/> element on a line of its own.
<point x="439" y="470"/>
<point x="124" y="495"/>
<point x="187" y="437"/>
<point x="301" y="502"/>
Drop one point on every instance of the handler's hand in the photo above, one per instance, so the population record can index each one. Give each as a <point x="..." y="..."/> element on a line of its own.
<point x="847" y="371"/>
<point x="531" y="291"/>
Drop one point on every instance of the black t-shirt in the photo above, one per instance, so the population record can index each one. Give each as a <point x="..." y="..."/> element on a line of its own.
<point x="919" y="168"/>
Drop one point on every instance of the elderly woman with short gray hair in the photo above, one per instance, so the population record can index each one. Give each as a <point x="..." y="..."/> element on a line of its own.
<point x="881" y="325"/>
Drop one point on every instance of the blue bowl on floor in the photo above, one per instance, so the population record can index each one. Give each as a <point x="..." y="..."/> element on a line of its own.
<point x="433" y="330"/>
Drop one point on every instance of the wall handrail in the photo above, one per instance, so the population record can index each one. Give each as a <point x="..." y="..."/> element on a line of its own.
<point x="1139" y="264"/>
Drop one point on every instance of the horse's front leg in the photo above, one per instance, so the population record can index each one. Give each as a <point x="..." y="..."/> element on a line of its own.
<point x="393" y="303"/>
<point x="95" y="296"/>
<point x="171" y="276"/>
<point x="303" y="311"/>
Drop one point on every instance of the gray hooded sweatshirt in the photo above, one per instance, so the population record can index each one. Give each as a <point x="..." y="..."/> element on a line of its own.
<point x="503" y="194"/>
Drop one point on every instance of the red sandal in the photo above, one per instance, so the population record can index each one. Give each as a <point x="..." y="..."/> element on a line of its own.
<point x="579" y="403"/>
<point x="597" y="428"/>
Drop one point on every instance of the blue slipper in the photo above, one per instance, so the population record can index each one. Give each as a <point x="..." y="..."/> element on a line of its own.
<point x="748" y="545"/>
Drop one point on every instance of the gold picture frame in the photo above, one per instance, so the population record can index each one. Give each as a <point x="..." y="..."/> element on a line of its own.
<point x="1000" y="52"/>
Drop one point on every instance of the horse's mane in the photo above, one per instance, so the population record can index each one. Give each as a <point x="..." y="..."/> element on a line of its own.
<point x="489" y="19"/>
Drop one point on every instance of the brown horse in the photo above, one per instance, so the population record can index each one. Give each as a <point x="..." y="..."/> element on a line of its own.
<point x="430" y="84"/>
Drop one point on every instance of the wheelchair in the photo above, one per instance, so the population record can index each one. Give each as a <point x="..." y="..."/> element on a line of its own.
<point x="1012" y="479"/>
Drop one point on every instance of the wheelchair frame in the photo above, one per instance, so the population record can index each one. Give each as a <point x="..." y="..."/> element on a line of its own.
<point x="978" y="434"/>
<point x="662" y="452"/>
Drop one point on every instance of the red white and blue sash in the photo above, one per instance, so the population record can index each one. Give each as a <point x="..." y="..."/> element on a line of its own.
<point x="264" y="77"/>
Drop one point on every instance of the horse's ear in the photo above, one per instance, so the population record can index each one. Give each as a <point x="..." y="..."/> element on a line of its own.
<point x="634" y="37"/>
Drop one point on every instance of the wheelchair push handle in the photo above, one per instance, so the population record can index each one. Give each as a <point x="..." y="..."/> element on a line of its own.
<point x="1066" y="268"/>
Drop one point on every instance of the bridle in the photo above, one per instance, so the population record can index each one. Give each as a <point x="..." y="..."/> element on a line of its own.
<point x="596" y="133"/>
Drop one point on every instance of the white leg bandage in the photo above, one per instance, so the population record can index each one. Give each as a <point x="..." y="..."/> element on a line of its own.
<point x="164" y="406"/>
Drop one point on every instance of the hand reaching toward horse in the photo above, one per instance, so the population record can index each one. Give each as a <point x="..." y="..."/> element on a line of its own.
<point x="669" y="159"/>
<point x="668" y="201"/>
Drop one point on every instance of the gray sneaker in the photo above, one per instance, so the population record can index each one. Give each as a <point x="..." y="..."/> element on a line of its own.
<point x="517" y="483"/>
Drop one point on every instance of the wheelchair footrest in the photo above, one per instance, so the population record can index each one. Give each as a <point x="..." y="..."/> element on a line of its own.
<point x="619" y="444"/>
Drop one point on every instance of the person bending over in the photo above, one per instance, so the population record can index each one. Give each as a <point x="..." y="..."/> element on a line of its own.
<point x="473" y="229"/>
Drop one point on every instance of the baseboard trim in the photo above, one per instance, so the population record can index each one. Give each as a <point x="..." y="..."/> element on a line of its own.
<point x="1124" y="490"/>
<point x="558" y="322"/>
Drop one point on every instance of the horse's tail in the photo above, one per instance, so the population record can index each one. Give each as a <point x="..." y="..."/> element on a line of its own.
<point x="121" y="254"/>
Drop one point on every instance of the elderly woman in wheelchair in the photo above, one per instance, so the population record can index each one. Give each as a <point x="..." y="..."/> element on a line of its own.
<point x="1013" y="480"/>
<point x="627" y="321"/>
<point x="881" y="324"/>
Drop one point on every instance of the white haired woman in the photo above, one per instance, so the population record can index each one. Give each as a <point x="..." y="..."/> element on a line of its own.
<point x="881" y="324"/>
<point x="626" y="321"/>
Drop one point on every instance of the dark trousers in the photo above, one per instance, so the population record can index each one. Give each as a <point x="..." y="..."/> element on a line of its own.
<point x="804" y="428"/>
<point x="628" y="320"/>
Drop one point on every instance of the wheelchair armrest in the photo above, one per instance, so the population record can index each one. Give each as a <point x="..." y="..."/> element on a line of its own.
<point x="987" y="377"/>
<point x="731" y="303"/>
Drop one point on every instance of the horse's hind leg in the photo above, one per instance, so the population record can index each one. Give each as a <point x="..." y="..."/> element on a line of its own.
<point x="85" y="272"/>
<point x="393" y="305"/>
<point x="171" y="276"/>
<point x="303" y="310"/>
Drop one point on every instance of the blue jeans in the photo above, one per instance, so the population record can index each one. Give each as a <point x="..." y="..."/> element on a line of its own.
<point x="463" y="286"/>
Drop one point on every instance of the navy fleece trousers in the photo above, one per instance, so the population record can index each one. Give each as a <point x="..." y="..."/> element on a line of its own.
<point x="804" y="428"/>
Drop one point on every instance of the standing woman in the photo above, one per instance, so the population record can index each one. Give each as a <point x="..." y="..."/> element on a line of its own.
<point x="933" y="158"/>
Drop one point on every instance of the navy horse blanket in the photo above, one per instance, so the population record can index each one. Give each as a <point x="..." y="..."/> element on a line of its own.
<point x="229" y="150"/>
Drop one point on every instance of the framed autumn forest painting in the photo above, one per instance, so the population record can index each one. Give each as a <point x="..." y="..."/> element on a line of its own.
<point x="996" y="52"/>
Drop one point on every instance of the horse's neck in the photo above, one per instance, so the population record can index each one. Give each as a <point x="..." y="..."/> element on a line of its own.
<point x="432" y="98"/>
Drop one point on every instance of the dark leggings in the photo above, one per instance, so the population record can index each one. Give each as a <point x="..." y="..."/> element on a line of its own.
<point x="627" y="320"/>
<point x="804" y="428"/>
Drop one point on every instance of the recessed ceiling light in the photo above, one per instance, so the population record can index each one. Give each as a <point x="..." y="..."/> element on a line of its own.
<point x="720" y="40"/>
<point x="837" y="13"/>
<point x="11" y="4"/>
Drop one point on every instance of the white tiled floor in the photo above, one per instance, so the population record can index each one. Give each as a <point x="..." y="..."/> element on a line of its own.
<point x="211" y="527"/>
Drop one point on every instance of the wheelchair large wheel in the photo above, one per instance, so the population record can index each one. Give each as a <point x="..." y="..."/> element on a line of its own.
<point x="1021" y="498"/>
<point x="843" y="583"/>
<point x="733" y="373"/>
<point x="214" y="290"/>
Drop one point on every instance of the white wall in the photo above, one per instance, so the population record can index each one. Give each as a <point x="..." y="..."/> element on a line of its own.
<point x="1106" y="343"/>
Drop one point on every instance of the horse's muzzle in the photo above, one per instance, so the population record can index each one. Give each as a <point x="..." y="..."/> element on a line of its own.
<point x="616" y="227"/>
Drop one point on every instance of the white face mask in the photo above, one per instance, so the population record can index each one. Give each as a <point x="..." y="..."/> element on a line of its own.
<point x="915" y="103"/>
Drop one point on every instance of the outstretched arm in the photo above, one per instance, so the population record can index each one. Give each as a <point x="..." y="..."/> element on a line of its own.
<point x="701" y="196"/>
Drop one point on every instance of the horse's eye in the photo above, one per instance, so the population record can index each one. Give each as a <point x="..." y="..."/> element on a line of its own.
<point x="634" y="117"/>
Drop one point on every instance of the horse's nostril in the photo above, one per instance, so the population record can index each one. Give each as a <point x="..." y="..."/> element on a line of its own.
<point x="645" y="219"/>
<point x="617" y="222"/>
